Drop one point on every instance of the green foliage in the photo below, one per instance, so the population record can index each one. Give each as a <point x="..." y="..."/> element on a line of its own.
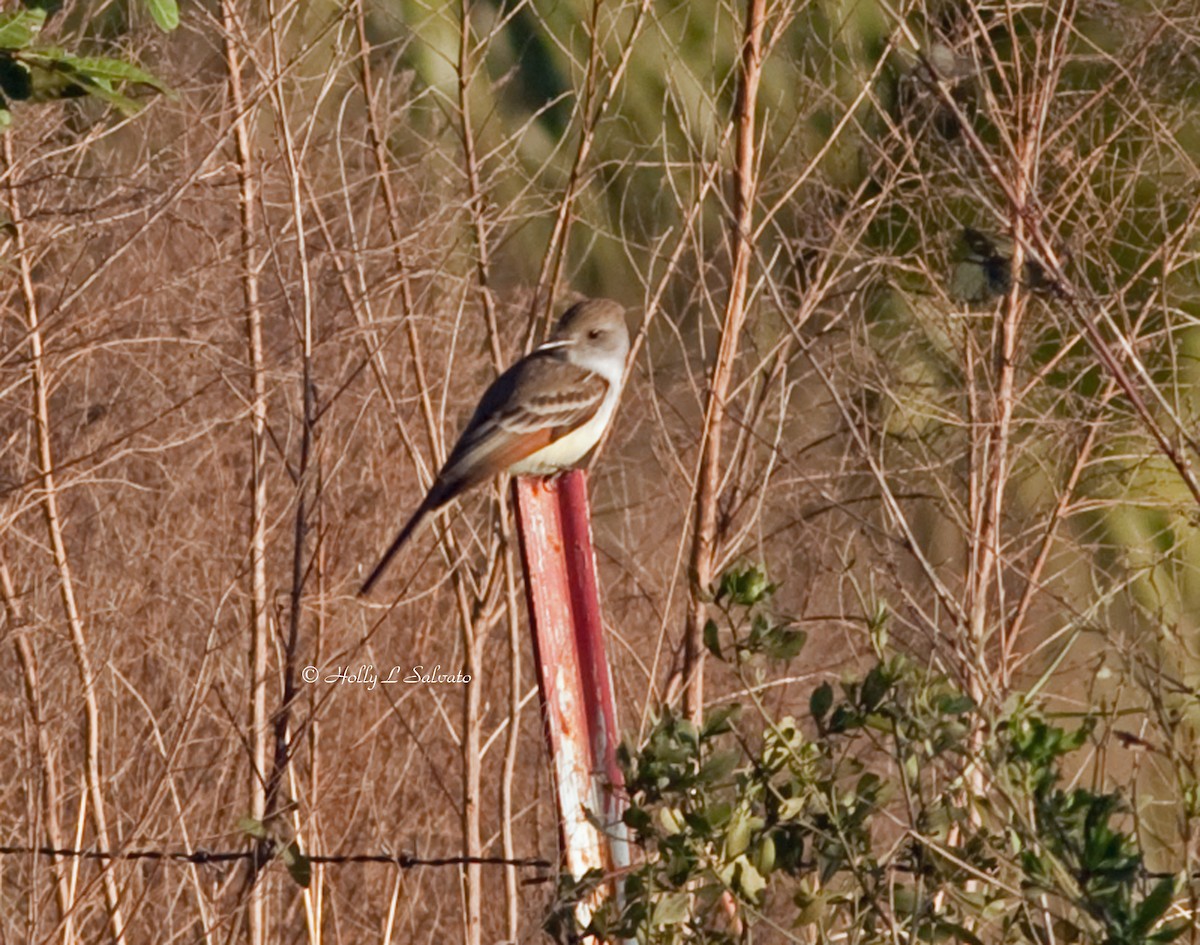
<point x="18" y="30"/>
<point x="898" y="811"/>
<point x="1075" y="852"/>
<point x="984" y="269"/>
<point x="743" y="595"/>
<point x="275" y="837"/>
<point x="34" y="72"/>
<point x="165" y="13"/>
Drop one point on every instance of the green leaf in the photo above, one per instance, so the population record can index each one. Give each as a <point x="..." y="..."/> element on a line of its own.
<point x="165" y="13"/>
<point x="905" y="899"/>
<point x="726" y="587"/>
<point x="821" y="701"/>
<point x="784" y="643"/>
<point x="791" y="808"/>
<point x="748" y="880"/>
<point x="844" y="718"/>
<point x="17" y="30"/>
<point x="764" y="859"/>
<point x="686" y="732"/>
<point x="746" y="586"/>
<point x="719" y="767"/>
<point x="1153" y="907"/>
<point x="115" y="70"/>
<point x="717" y="815"/>
<point x="869" y="786"/>
<point x="103" y="90"/>
<point x="712" y="642"/>
<point x="738" y="837"/>
<point x="637" y="818"/>
<point x="874" y="688"/>
<point x="671" y="820"/>
<point x="122" y="103"/>
<point x="72" y="80"/>
<point x="252" y="827"/>
<point x="719" y="720"/>
<point x="812" y="906"/>
<point x="670" y="910"/>
<point x="755" y="586"/>
<point x="955" y="705"/>
<point x="299" y="866"/>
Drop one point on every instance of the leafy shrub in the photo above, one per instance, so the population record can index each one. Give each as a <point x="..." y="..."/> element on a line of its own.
<point x="901" y="811"/>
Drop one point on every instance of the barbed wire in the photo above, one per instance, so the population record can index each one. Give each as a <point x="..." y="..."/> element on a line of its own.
<point x="202" y="857"/>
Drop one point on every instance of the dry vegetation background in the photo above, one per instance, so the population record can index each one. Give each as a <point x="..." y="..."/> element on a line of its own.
<point x="239" y="328"/>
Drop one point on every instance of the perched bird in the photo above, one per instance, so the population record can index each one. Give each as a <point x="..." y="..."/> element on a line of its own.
<point x="541" y="416"/>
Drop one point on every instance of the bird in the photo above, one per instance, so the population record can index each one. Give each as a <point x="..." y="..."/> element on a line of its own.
<point x="540" y="417"/>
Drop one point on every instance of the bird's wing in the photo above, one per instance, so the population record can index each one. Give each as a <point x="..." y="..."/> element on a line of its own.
<point x="532" y="404"/>
<point x="554" y="395"/>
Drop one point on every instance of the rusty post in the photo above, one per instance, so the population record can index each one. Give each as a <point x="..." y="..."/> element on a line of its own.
<point x="573" y="673"/>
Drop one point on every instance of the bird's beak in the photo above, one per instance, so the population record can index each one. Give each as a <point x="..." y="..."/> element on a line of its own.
<point x="555" y="343"/>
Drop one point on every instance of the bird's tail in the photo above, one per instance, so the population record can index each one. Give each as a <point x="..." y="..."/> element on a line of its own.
<point x="431" y="502"/>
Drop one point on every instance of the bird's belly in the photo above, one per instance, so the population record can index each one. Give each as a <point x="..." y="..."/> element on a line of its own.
<point x="568" y="450"/>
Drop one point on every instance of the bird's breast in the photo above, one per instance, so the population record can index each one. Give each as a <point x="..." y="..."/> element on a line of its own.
<point x="567" y="450"/>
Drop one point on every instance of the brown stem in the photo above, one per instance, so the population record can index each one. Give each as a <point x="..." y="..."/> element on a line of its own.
<point x="704" y="534"/>
<point x="58" y="548"/>
<point x="986" y="544"/>
<point x="308" y="410"/>
<point x="476" y="200"/>
<point x="513" y="741"/>
<point x="258" y="629"/>
<point x="27" y="660"/>
<point x="472" y="641"/>
<point x="476" y="203"/>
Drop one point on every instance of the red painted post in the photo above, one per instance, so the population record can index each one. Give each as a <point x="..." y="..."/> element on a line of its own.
<point x="573" y="672"/>
<point x="599" y="703"/>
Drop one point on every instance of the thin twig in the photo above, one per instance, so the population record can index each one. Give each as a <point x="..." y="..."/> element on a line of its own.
<point x="50" y="514"/>
<point x="704" y="528"/>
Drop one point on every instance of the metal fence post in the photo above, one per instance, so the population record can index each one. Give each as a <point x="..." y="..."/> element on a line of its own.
<point x="573" y="673"/>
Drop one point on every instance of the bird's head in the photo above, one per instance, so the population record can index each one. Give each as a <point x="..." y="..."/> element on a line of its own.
<point x="593" y="334"/>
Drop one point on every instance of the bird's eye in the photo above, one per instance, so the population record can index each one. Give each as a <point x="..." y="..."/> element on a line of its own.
<point x="595" y="333"/>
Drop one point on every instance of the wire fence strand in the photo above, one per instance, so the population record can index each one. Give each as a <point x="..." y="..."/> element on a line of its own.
<point x="202" y="857"/>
